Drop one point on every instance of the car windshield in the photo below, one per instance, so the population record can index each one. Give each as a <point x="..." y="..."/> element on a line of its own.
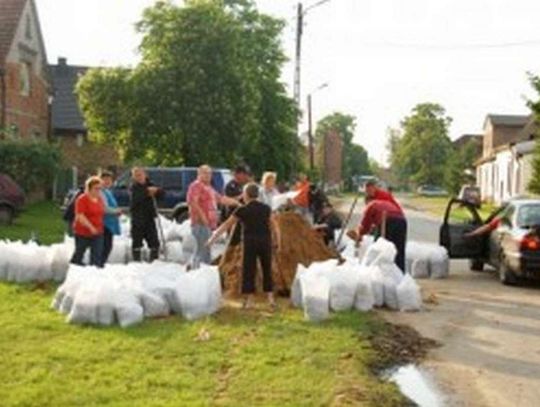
<point x="529" y="215"/>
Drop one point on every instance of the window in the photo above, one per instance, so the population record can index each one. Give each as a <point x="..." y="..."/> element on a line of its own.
<point x="24" y="79"/>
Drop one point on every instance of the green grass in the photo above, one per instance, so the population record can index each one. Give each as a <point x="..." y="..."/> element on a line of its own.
<point x="43" y="218"/>
<point x="251" y="359"/>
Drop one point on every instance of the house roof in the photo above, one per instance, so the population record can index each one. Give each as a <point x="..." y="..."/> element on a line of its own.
<point x="530" y="130"/>
<point x="507" y="120"/>
<point x="10" y="15"/>
<point x="66" y="114"/>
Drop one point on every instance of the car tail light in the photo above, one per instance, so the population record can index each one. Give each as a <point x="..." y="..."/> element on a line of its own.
<point x="530" y="242"/>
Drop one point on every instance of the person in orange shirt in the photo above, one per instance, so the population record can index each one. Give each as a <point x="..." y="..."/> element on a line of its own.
<point x="302" y="199"/>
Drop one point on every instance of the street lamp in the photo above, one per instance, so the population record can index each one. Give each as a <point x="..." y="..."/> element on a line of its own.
<point x="300" y="14"/>
<point x="310" y="126"/>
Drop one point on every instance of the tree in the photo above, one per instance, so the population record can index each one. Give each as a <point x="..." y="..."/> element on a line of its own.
<point x="355" y="158"/>
<point x="420" y="153"/>
<point x="459" y="162"/>
<point x="534" y="184"/>
<point x="207" y="89"/>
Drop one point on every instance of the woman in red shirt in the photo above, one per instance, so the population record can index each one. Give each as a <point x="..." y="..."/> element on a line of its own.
<point x="88" y="223"/>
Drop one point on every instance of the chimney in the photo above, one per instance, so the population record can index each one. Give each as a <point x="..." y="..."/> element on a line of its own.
<point x="62" y="61"/>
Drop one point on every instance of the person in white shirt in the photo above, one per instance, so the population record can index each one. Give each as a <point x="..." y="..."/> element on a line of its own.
<point x="268" y="188"/>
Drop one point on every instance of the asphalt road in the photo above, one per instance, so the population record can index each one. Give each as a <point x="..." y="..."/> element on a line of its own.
<point x="489" y="333"/>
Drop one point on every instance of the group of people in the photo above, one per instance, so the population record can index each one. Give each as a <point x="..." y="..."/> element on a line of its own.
<point x="93" y="218"/>
<point x="244" y="210"/>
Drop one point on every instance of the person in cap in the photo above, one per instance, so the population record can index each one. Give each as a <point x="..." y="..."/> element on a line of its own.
<point x="375" y="192"/>
<point x="258" y="228"/>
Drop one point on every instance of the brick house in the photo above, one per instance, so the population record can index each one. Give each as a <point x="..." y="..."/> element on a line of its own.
<point x="24" y="80"/>
<point x="505" y="168"/>
<point x="80" y="156"/>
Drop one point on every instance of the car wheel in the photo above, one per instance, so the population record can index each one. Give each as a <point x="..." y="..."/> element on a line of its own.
<point x="476" y="265"/>
<point x="506" y="275"/>
<point x="6" y="215"/>
<point x="182" y="216"/>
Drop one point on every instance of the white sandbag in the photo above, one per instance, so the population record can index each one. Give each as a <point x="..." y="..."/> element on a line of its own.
<point x="382" y="251"/>
<point x="5" y="254"/>
<point x="120" y="250"/>
<point x="189" y="249"/>
<point x="163" y="282"/>
<point x="420" y="268"/>
<point x="28" y="262"/>
<point x="343" y="285"/>
<point x="65" y="294"/>
<point x="296" y="287"/>
<point x="364" y="299"/>
<point x="197" y="293"/>
<point x="439" y="262"/>
<point x="127" y="309"/>
<point x="408" y="293"/>
<point x="377" y="285"/>
<point x="175" y="251"/>
<point x="392" y="276"/>
<point x="84" y="309"/>
<point x="365" y="244"/>
<point x="61" y="254"/>
<point x="315" y="296"/>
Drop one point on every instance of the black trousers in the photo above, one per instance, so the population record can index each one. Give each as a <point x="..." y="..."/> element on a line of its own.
<point x="144" y="232"/>
<point x="107" y="245"/>
<point x="257" y="249"/>
<point x="82" y="243"/>
<point x="396" y="232"/>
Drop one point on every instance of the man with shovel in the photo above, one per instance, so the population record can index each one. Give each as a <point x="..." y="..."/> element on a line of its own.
<point x="143" y="214"/>
<point x="390" y="220"/>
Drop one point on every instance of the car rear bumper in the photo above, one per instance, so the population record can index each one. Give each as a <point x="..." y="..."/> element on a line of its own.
<point x="530" y="264"/>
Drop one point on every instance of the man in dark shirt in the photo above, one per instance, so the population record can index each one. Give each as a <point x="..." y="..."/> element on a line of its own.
<point x="143" y="214"/>
<point x="391" y="222"/>
<point x="258" y="228"/>
<point x="234" y="189"/>
<point x="328" y="223"/>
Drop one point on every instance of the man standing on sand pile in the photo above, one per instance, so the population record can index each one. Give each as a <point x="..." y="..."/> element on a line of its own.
<point x="143" y="214"/>
<point x="202" y="200"/>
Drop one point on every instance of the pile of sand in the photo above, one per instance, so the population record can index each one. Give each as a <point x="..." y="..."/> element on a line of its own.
<point x="300" y="245"/>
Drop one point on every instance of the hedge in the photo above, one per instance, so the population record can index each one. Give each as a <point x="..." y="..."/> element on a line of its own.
<point x="32" y="164"/>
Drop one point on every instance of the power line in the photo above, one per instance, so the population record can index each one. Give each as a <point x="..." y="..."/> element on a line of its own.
<point x="390" y="44"/>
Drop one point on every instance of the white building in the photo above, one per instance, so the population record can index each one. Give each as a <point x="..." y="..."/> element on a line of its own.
<point x="505" y="169"/>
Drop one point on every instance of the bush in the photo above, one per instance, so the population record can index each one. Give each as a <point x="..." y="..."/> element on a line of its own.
<point x="32" y="164"/>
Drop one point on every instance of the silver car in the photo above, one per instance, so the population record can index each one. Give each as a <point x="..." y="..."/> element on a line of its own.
<point x="512" y="247"/>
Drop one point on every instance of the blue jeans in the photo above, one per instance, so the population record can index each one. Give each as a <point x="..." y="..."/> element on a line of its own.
<point x="201" y="233"/>
<point x="96" y="249"/>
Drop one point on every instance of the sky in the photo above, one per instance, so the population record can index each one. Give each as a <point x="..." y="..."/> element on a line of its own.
<point x="379" y="57"/>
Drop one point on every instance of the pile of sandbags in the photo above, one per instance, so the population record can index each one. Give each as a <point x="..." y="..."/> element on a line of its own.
<point x="126" y="294"/>
<point x="300" y="244"/>
<point x="376" y="281"/>
<point x="426" y="260"/>
<point x="25" y="262"/>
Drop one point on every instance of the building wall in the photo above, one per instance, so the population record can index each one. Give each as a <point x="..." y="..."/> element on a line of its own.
<point x="332" y="159"/>
<point x="27" y="113"/>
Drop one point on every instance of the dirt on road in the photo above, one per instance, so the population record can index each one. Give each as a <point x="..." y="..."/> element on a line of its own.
<point x="489" y="336"/>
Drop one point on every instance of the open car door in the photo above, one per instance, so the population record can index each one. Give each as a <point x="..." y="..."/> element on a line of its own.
<point x="460" y="218"/>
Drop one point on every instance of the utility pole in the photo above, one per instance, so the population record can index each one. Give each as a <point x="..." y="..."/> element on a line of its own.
<point x="298" y="55"/>
<point x="310" y="136"/>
